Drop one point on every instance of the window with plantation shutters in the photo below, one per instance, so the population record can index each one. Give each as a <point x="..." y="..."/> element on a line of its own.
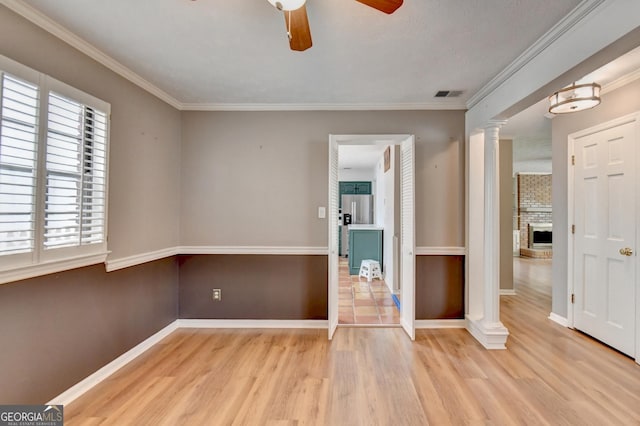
<point x="53" y="174"/>
<point x="18" y="156"/>
<point x="75" y="174"/>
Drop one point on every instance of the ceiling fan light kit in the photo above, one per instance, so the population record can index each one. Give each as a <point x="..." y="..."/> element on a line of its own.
<point x="287" y="4"/>
<point x="297" y="22"/>
<point x="576" y="97"/>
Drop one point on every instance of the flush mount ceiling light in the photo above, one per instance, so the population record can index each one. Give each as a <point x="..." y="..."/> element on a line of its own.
<point x="287" y="4"/>
<point x="574" y="98"/>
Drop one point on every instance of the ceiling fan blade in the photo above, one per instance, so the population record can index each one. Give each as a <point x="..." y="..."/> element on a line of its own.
<point x="298" y="28"/>
<point x="386" y="6"/>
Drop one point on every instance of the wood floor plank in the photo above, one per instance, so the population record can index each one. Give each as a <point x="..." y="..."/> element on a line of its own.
<point x="549" y="375"/>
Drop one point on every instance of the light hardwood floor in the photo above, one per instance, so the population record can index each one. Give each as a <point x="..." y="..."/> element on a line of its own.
<point x="549" y="375"/>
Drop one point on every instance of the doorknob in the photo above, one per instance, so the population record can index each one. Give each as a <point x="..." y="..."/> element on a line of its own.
<point x="627" y="251"/>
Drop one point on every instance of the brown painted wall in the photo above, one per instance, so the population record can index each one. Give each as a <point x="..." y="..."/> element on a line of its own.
<point x="57" y="329"/>
<point x="295" y="287"/>
<point x="439" y="287"/>
<point x="506" y="214"/>
<point x="254" y="286"/>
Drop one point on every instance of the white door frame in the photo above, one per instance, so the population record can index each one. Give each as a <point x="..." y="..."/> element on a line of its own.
<point x="571" y="215"/>
<point x="334" y="142"/>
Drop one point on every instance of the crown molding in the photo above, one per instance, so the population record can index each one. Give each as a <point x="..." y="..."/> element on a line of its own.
<point x="578" y="14"/>
<point x="88" y="49"/>
<point x="622" y="81"/>
<point x="458" y="105"/>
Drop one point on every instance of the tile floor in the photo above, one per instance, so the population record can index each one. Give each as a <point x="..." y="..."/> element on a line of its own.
<point x="364" y="303"/>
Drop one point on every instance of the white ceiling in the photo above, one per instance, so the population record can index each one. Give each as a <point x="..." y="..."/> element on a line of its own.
<point x="360" y="156"/>
<point x="235" y="52"/>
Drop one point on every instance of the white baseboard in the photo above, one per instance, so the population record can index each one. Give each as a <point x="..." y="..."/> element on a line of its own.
<point x="507" y="292"/>
<point x="92" y="380"/>
<point x="443" y="323"/>
<point x="558" y="319"/>
<point x="244" y="323"/>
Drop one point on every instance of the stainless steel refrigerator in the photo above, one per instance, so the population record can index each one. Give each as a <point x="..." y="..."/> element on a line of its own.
<point x="356" y="210"/>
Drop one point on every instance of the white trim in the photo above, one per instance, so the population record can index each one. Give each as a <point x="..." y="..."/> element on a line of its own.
<point x="51" y="267"/>
<point x="559" y="319"/>
<point x="567" y="23"/>
<point x="88" y="49"/>
<point x="253" y="250"/>
<point x="570" y="222"/>
<point x="250" y="323"/>
<point x="490" y="338"/>
<point x="622" y="81"/>
<point x="441" y="323"/>
<point x="534" y="173"/>
<point x="507" y="292"/>
<point x="441" y="251"/>
<point x="138" y="259"/>
<point x="92" y="380"/>
<point x="457" y="105"/>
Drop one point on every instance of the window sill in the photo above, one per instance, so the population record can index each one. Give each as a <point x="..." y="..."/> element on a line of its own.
<point x="32" y="271"/>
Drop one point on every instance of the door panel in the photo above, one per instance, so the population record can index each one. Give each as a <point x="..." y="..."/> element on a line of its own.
<point x="333" y="237"/>
<point x="605" y="220"/>
<point x="407" y="235"/>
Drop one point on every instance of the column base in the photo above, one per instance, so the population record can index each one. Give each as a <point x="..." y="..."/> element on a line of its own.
<point x="491" y="336"/>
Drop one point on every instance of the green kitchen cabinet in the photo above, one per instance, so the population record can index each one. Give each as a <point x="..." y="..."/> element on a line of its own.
<point x="364" y="244"/>
<point x="363" y="188"/>
<point x="351" y="188"/>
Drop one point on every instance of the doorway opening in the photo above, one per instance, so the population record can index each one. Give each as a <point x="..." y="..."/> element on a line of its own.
<point x="368" y="232"/>
<point x="367" y="236"/>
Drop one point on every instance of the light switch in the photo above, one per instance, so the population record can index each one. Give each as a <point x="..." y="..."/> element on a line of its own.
<point x="322" y="212"/>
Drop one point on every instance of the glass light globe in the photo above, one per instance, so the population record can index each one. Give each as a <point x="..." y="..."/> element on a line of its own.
<point x="287" y="4"/>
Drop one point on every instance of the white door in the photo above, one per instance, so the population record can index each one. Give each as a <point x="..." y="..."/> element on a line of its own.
<point x="605" y="235"/>
<point x="333" y="236"/>
<point x="407" y="236"/>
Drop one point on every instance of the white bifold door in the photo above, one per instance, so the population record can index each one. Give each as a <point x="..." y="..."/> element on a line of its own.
<point x="605" y="192"/>
<point x="333" y="237"/>
<point x="407" y="237"/>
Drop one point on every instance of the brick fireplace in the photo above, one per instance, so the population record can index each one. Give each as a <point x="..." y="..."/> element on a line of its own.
<point x="534" y="213"/>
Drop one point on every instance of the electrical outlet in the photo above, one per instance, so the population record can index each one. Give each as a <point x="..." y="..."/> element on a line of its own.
<point x="217" y="294"/>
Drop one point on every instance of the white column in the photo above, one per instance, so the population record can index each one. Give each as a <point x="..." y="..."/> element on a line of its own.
<point x="487" y="328"/>
<point x="491" y="261"/>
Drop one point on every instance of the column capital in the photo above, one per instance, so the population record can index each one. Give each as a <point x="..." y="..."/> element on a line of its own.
<point x="494" y="124"/>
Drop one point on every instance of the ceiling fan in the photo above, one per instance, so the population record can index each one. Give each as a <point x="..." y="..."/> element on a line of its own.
<point x="295" y="16"/>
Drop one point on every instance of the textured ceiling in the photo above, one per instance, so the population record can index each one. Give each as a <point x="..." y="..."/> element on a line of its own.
<point x="236" y="51"/>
